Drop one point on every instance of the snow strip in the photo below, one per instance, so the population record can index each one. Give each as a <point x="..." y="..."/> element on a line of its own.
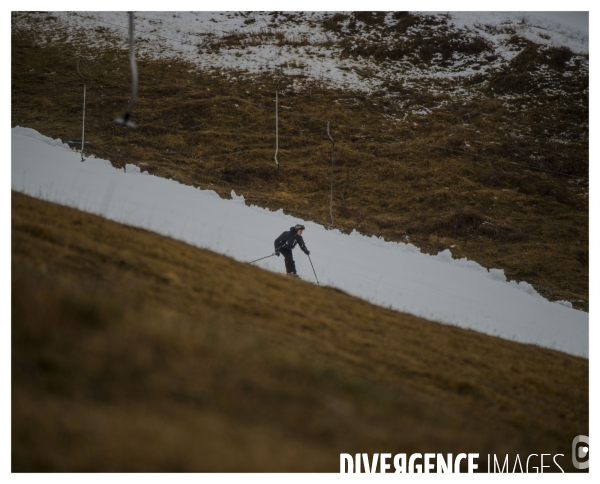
<point x="390" y="274"/>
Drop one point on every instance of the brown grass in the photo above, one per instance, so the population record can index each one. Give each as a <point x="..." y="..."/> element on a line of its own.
<point x="136" y="352"/>
<point x="335" y="22"/>
<point x="194" y="126"/>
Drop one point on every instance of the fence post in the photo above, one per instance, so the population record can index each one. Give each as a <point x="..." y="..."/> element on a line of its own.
<point x="332" y="163"/>
<point x="83" y="122"/>
<point x="277" y="116"/>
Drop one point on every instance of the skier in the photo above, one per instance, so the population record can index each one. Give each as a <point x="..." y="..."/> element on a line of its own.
<point x="284" y="245"/>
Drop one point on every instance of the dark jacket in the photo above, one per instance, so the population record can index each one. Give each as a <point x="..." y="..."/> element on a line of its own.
<point x="289" y="239"/>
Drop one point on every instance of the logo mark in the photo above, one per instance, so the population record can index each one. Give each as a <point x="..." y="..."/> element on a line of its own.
<point x="581" y="452"/>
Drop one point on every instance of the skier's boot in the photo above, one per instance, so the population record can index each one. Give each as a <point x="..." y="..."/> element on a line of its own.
<point x="293" y="274"/>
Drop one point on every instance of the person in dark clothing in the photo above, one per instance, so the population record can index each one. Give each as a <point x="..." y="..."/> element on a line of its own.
<point x="286" y="242"/>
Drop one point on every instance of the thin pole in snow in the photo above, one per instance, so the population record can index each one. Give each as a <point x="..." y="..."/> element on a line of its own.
<point x="332" y="163"/>
<point x="83" y="122"/>
<point x="277" y="116"/>
<point x="125" y="121"/>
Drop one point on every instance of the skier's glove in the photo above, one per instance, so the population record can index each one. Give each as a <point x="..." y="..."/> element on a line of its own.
<point x="277" y="252"/>
<point x="307" y="252"/>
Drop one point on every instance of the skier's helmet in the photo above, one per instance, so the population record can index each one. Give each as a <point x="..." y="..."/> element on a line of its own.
<point x="299" y="227"/>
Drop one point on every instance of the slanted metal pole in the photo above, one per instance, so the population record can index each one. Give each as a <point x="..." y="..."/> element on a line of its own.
<point x="332" y="163"/>
<point x="266" y="257"/>
<point x="313" y="268"/>
<point x="277" y="116"/>
<point x="83" y="122"/>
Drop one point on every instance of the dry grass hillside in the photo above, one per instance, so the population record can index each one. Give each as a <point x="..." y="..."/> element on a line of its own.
<point x="136" y="352"/>
<point x="442" y="180"/>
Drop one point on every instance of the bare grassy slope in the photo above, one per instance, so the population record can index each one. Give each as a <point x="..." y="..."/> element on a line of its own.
<point x="135" y="352"/>
<point x="197" y="127"/>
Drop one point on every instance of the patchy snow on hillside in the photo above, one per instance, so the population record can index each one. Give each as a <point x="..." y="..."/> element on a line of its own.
<point x="559" y="29"/>
<point x="390" y="274"/>
<point x="256" y="42"/>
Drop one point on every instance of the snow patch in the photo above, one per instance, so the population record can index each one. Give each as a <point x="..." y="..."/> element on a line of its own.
<point x="566" y="304"/>
<point x="236" y="199"/>
<point x="133" y="169"/>
<point x="392" y="274"/>
<point x="525" y="286"/>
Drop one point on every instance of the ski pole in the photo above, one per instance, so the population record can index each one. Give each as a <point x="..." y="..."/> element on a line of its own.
<point x="252" y="262"/>
<point x="313" y="267"/>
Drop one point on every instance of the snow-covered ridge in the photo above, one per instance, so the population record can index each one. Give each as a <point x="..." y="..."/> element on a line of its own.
<point x="559" y="29"/>
<point x="257" y="41"/>
<point x="391" y="274"/>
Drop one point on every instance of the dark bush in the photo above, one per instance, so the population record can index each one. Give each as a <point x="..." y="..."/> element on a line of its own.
<point x="583" y="257"/>
<point x="377" y="51"/>
<point x="369" y="18"/>
<point x="246" y="174"/>
<point x="405" y="21"/>
<point x="457" y="223"/>
<point x="492" y="178"/>
<point x="573" y="164"/>
<point x="387" y="223"/>
<point x="526" y="60"/>
<point x="455" y="143"/>
<point x="335" y="22"/>
<point x="448" y="44"/>
<point x="426" y="52"/>
<point x="475" y="79"/>
<point x="505" y="232"/>
<point x="507" y="81"/>
<point x="400" y="15"/>
<point x="559" y="56"/>
<point x="461" y="221"/>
